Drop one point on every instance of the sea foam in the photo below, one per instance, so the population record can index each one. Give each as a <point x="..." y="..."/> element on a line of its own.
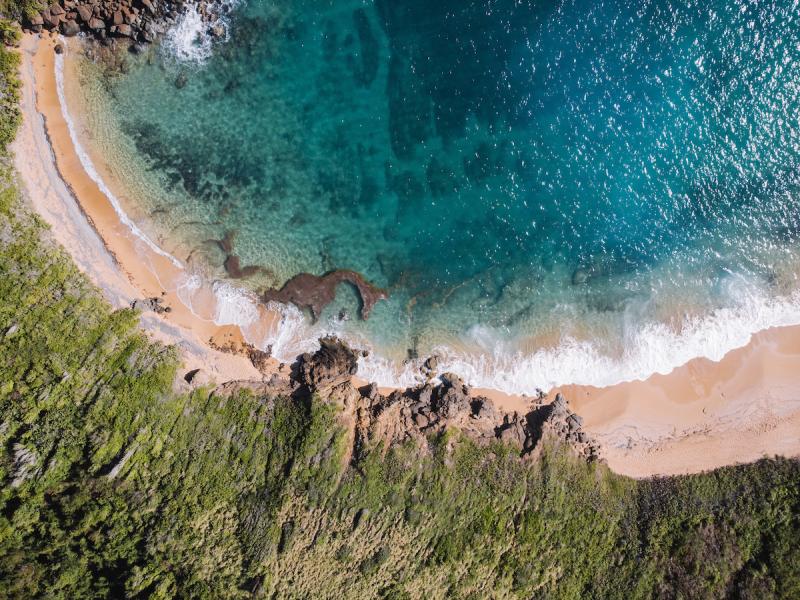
<point x="650" y="348"/>
<point x="191" y="39"/>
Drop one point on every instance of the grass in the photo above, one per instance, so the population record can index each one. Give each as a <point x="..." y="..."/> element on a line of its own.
<point x="113" y="484"/>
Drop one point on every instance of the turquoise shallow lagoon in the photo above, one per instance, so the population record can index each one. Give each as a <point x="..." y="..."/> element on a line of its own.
<point x="551" y="192"/>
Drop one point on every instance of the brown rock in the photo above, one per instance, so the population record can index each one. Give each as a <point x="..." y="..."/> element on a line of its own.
<point x="118" y="18"/>
<point x="85" y="13"/>
<point x="96" y="24"/>
<point x="70" y="28"/>
<point x="55" y="9"/>
<point x="37" y="19"/>
<point x="125" y="30"/>
<point x="421" y="420"/>
<point x="148" y="5"/>
<point x="58" y="49"/>
<point x="50" y="21"/>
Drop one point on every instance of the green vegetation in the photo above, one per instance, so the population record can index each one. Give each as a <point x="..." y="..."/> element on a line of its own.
<point x="115" y="484"/>
<point x="20" y="10"/>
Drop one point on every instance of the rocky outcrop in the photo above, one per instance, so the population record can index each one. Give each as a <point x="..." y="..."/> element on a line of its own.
<point x="413" y="413"/>
<point x="332" y="364"/>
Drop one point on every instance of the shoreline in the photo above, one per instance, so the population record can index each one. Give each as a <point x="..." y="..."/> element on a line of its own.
<point x="83" y="221"/>
<point x="702" y="415"/>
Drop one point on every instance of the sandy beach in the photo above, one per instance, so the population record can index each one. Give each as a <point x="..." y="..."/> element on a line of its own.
<point x="85" y="223"/>
<point x="702" y="415"/>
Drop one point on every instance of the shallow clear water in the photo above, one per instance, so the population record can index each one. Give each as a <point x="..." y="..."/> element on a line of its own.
<point x="606" y="189"/>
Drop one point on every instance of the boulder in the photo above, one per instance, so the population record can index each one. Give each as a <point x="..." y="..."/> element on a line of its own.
<point x="85" y="13"/>
<point x="370" y="392"/>
<point x="70" y="28"/>
<point x="58" y="49"/>
<point x="484" y="409"/>
<point x="55" y="9"/>
<point x="50" y="21"/>
<point x="454" y="381"/>
<point x="190" y="376"/>
<point x="125" y="30"/>
<point x="148" y="5"/>
<point x="421" y="420"/>
<point x="96" y="24"/>
<point x="154" y="304"/>
<point x="36" y="20"/>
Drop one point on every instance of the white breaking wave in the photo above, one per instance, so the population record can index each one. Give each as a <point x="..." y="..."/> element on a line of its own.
<point x="191" y="39"/>
<point x="88" y="166"/>
<point x="650" y="349"/>
<point x="234" y="305"/>
<point x="293" y="335"/>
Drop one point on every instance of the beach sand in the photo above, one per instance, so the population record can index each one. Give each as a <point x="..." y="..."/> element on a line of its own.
<point x="85" y="223"/>
<point x="702" y="415"/>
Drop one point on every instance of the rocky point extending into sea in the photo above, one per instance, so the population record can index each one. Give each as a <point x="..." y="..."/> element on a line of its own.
<point x="138" y="21"/>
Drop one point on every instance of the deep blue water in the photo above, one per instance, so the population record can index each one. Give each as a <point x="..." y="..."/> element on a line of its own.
<point x="512" y="172"/>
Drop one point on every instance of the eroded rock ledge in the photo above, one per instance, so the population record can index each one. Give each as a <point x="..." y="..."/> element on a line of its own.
<point x="413" y="413"/>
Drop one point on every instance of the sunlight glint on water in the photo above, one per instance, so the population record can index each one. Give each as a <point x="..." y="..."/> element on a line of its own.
<point x="551" y="194"/>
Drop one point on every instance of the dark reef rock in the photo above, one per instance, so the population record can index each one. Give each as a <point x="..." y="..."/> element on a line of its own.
<point x="315" y="292"/>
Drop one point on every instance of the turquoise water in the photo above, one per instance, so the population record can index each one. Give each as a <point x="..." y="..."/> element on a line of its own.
<point x="601" y="189"/>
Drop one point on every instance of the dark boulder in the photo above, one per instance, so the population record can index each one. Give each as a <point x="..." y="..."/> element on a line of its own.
<point x="70" y="28"/>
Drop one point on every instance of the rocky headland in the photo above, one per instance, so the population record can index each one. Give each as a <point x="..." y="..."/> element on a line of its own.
<point x="412" y="414"/>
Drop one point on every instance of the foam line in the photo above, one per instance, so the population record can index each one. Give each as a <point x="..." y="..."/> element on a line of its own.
<point x="88" y="166"/>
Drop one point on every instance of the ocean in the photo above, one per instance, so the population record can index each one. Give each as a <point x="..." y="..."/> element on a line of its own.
<point x="549" y="192"/>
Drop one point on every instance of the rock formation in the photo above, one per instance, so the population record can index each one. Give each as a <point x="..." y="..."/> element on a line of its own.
<point x="414" y="413"/>
<point x="315" y="292"/>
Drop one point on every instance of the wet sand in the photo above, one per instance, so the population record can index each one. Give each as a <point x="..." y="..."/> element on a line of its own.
<point x="703" y="415"/>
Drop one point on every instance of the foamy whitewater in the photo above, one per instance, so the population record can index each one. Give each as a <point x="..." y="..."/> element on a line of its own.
<point x="612" y="192"/>
<point x="191" y="40"/>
